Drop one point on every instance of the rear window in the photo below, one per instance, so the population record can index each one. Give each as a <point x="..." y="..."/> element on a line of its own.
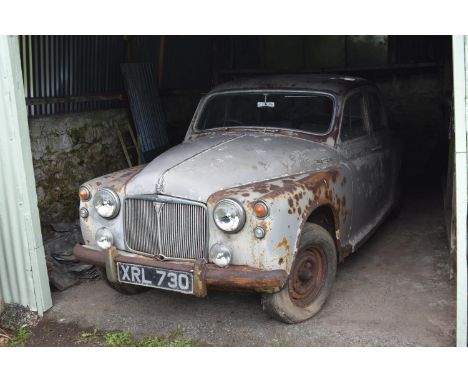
<point x="308" y="112"/>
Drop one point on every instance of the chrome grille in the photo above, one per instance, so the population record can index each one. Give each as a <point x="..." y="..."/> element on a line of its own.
<point x="180" y="231"/>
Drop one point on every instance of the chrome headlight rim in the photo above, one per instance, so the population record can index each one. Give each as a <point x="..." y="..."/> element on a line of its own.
<point x="114" y="196"/>
<point x="240" y="210"/>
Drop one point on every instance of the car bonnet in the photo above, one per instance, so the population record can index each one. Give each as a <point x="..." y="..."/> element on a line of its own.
<point x="209" y="163"/>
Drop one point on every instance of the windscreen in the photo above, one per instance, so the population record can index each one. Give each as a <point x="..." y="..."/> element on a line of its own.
<point x="308" y="112"/>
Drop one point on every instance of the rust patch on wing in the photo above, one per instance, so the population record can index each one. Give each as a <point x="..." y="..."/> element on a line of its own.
<point x="303" y="193"/>
<point x="286" y="258"/>
<point x="119" y="179"/>
<point x="283" y="243"/>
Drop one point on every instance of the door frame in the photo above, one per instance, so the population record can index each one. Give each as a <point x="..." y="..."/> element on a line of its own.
<point x="460" y="54"/>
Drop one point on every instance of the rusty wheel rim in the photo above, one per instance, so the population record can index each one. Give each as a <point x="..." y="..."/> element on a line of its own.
<point x="307" y="276"/>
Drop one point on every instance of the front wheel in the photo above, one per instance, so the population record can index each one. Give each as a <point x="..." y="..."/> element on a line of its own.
<point x="310" y="279"/>
<point x="128" y="289"/>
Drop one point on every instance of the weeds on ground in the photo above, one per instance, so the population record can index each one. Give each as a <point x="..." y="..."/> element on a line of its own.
<point x="123" y="339"/>
<point x="92" y="334"/>
<point x="20" y="338"/>
<point x="93" y="338"/>
<point x="279" y="344"/>
<point x="118" y="339"/>
<point x="165" y="342"/>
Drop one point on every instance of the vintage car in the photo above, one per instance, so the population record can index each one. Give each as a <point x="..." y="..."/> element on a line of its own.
<point x="277" y="180"/>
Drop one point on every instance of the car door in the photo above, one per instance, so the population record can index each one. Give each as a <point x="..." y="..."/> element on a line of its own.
<point x="382" y="148"/>
<point x="356" y="148"/>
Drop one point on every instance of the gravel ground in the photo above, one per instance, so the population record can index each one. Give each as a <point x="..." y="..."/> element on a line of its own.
<point x="394" y="292"/>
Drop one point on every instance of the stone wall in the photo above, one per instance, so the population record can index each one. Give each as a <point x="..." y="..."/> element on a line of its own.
<point x="70" y="149"/>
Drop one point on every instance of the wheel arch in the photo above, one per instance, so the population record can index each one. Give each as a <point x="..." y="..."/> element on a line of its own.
<point x="326" y="217"/>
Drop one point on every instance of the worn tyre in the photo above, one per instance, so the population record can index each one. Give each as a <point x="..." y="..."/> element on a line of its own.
<point x="310" y="279"/>
<point x="123" y="288"/>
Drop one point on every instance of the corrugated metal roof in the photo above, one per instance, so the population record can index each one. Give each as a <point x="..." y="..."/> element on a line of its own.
<point x="65" y="66"/>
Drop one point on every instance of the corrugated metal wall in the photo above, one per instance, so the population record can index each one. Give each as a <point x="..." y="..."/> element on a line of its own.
<point x="65" y="66"/>
<point x="147" y="110"/>
<point x="23" y="274"/>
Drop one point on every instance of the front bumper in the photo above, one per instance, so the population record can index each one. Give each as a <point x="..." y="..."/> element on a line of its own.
<point x="234" y="277"/>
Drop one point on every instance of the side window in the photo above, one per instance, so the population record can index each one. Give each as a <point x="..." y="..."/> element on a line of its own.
<point x="376" y="113"/>
<point x="353" y="125"/>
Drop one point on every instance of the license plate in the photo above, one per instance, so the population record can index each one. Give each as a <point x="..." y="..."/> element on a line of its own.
<point x="178" y="281"/>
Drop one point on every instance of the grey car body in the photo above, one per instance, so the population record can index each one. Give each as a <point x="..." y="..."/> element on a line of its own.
<point x="345" y="184"/>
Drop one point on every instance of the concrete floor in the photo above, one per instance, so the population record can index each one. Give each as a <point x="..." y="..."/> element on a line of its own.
<point x="394" y="292"/>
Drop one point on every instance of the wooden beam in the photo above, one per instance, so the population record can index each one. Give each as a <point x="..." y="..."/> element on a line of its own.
<point x="76" y="99"/>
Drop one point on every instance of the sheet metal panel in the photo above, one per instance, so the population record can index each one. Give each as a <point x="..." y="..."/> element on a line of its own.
<point x="23" y="274"/>
<point x="147" y="111"/>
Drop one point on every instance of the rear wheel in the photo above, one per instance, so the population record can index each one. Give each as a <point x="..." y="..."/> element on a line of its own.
<point x="310" y="279"/>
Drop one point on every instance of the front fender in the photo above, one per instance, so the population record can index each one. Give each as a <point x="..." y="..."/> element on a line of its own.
<point x="291" y="200"/>
<point x="116" y="181"/>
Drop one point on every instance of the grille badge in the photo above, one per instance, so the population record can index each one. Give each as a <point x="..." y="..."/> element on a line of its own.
<point x="158" y="207"/>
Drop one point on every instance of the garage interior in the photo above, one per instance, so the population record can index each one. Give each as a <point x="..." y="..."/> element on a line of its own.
<point x="397" y="290"/>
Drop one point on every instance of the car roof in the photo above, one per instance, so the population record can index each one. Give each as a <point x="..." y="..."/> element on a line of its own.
<point x="334" y="83"/>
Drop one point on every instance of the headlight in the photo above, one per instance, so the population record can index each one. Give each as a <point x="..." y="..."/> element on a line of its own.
<point x="104" y="238"/>
<point x="107" y="203"/>
<point x="229" y="215"/>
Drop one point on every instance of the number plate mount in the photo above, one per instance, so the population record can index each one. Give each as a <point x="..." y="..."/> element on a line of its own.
<point x="178" y="281"/>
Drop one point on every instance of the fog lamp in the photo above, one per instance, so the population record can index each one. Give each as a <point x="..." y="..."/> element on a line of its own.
<point x="220" y="254"/>
<point x="104" y="238"/>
